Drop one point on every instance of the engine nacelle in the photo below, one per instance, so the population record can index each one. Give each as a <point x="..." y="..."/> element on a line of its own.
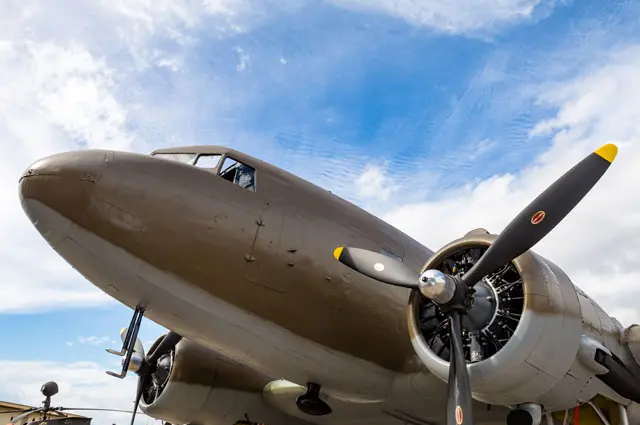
<point x="529" y="346"/>
<point x="194" y="384"/>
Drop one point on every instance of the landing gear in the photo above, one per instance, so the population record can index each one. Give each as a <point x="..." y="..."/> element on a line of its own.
<point x="128" y="342"/>
<point x="311" y="403"/>
<point x="602" y="408"/>
<point x="622" y="414"/>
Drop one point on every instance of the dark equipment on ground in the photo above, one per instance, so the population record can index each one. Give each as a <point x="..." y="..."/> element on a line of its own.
<point x="49" y="389"/>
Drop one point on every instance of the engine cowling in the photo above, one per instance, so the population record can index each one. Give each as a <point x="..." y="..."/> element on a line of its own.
<point x="194" y="384"/>
<point x="523" y="344"/>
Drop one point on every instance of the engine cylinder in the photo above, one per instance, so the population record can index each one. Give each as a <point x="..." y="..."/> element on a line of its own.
<point x="522" y="333"/>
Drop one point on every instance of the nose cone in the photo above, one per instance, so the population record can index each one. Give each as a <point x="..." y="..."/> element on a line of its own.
<point x="60" y="186"/>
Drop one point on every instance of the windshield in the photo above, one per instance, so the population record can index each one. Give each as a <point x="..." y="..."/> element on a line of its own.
<point x="187" y="158"/>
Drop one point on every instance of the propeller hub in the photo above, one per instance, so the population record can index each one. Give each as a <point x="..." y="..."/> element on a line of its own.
<point x="483" y="310"/>
<point x="437" y="286"/>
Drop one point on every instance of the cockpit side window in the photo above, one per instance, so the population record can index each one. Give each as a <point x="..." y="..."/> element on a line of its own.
<point x="238" y="173"/>
<point x="187" y="158"/>
<point x="209" y="161"/>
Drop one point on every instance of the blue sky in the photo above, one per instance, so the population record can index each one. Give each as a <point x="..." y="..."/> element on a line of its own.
<point x="419" y="122"/>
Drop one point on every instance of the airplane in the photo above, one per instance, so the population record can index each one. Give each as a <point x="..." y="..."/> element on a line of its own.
<point x="289" y="305"/>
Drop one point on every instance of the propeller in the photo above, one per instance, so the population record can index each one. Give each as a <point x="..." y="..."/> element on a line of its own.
<point x="146" y="367"/>
<point x="454" y="294"/>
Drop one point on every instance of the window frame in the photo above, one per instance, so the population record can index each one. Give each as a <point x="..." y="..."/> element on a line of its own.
<point x="255" y="172"/>
<point x="164" y="155"/>
<point x="216" y="168"/>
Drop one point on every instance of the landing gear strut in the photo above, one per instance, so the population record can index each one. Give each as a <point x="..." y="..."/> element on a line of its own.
<point x="311" y="403"/>
<point x="624" y="418"/>
<point x="128" y="343"/>
<point x="603" y="416"/>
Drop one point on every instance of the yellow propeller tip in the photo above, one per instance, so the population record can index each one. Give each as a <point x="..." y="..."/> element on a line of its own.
<point x="608" y="152"/>
<point x="337" y="252"/>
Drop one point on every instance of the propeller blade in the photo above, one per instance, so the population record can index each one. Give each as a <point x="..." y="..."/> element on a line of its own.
<point x="141" y="381"/>
<point x="459" y="407"/>
<point x="544" y="213"/>
<point x="169" y="341"/>
<point x="138" y="348"/>
<point x="378" y="266"/>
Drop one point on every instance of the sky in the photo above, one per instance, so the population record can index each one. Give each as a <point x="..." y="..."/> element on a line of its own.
<point x="437" y="116"/>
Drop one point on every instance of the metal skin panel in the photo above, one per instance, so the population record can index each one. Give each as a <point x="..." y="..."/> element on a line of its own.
<point x="603" y="328"/>
<point x="225" y="407"/>
<point x="630" y="338"/>
<point x="540" y="362"/>
<point x="424" y="395"/>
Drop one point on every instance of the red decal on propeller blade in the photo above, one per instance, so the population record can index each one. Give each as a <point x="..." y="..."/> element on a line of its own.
<point x="459" y="416"/>
<point x="538" y="217"/>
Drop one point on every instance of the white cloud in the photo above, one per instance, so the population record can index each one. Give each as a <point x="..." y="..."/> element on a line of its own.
<point x="75" y="93"/>
<point x="374" y="184"/>
<point x="140" y="21"/>
<point x="243" y="59"/>
<point x="598" y="244"/>
<point x="80" y="384"/>
<point x="451" y="16"/>
<point x="482" y="148"/>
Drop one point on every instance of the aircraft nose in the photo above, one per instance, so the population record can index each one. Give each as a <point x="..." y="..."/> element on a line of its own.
<point x="59" y="186"/>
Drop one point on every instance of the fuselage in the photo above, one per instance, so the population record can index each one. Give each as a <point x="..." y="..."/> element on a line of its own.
<point x="240" y="260"/>
<point x="247" y="272"/>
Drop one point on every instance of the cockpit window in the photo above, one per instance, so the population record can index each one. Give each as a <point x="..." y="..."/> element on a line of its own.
<point x="232" y="170"/>
<point x="208" y="161"/>
<point x="186" y="158"/>
<point x="236" y="172"/>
